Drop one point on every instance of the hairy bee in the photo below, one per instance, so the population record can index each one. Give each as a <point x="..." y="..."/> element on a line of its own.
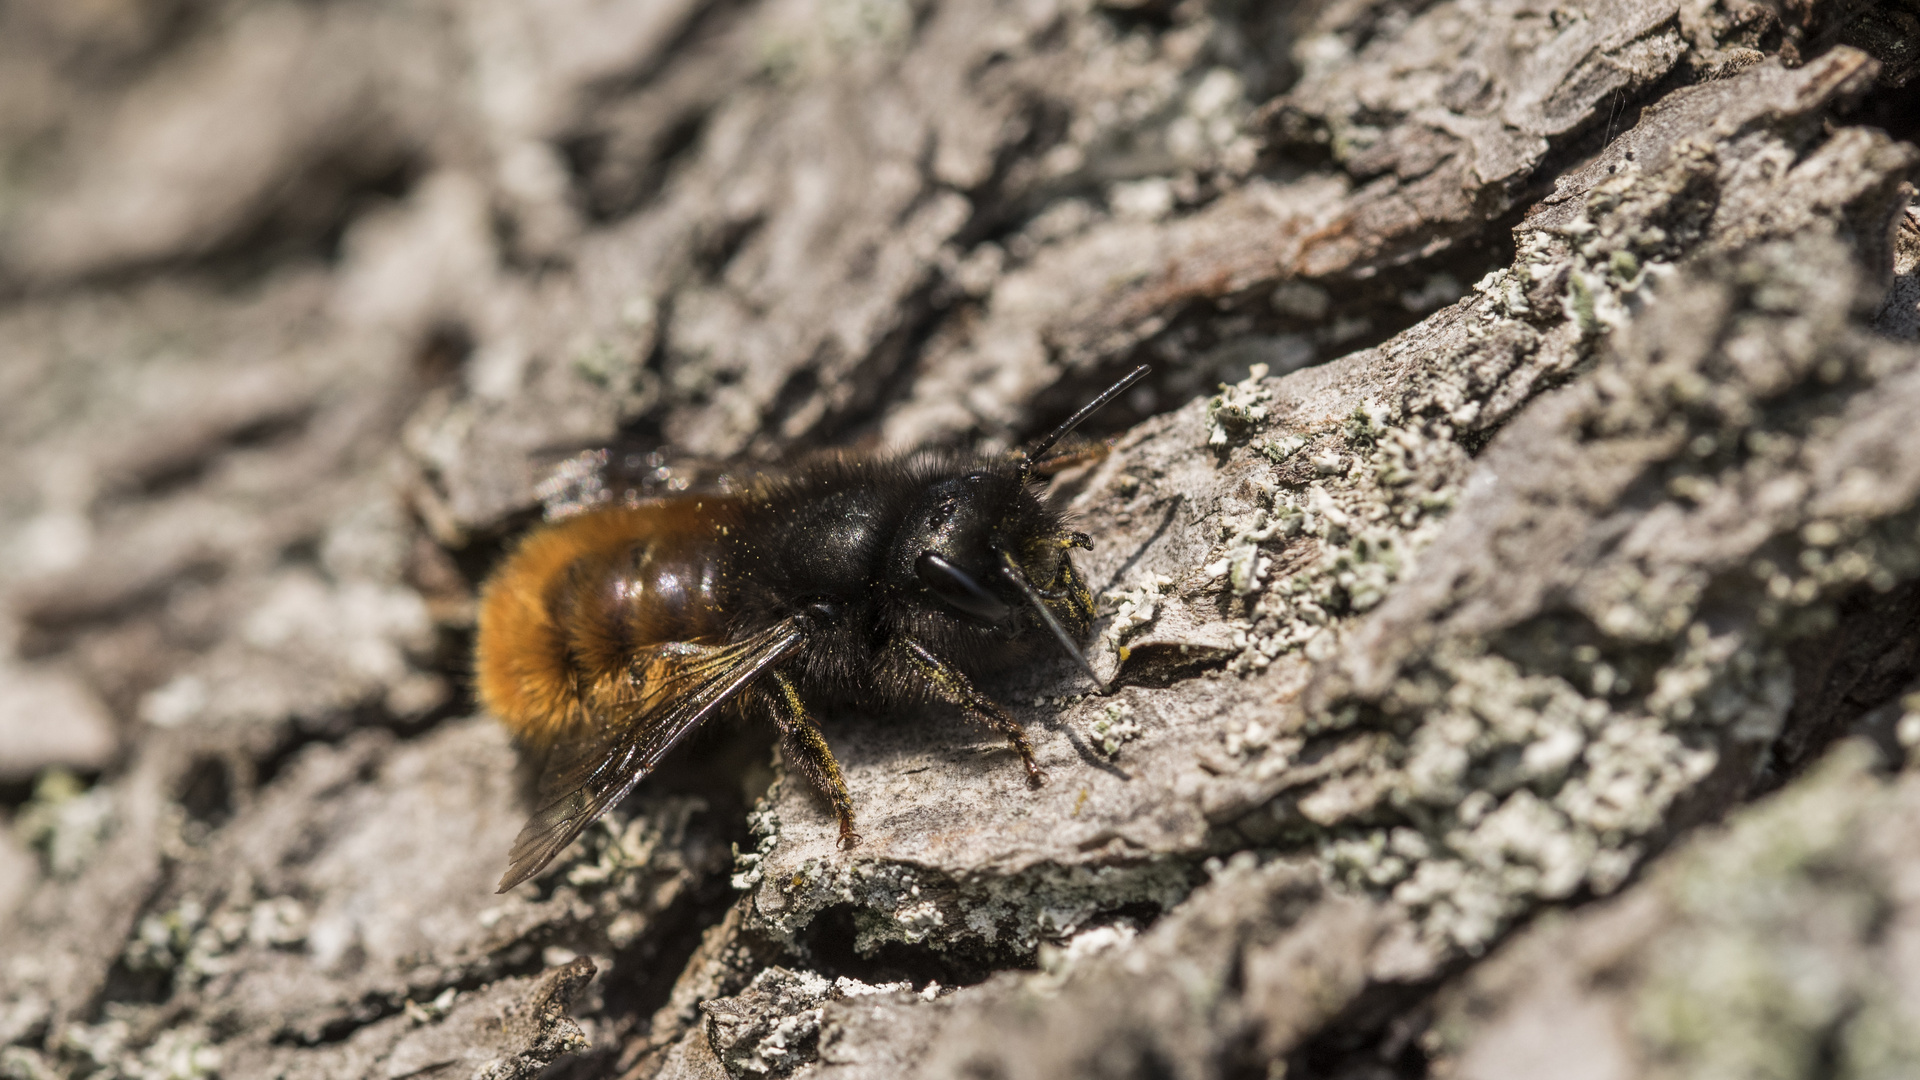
<point x="607" y="637"/>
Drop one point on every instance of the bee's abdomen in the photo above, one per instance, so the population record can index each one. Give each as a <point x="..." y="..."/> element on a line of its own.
<point x="564" y="616"/>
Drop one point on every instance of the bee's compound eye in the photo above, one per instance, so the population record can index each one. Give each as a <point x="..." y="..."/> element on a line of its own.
<point x="959" y="589"/>
<point x="824" y="612"/>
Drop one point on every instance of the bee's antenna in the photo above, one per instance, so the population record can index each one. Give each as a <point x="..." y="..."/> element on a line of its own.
<point x="1032" y="453"/>
<point x="1019" y="578"/>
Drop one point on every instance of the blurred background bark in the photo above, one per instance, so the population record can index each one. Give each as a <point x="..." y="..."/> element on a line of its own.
<point x="1525" y="485"/>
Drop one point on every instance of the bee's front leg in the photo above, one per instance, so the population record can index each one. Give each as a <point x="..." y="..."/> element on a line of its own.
<point x="953" y="685"/>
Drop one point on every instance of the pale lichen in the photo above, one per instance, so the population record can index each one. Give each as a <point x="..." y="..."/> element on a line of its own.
<point x="773" y="1026"/>
<point x="1133" y="608"/>
<point x="764" y="825"/>
<point x="110" y="1049"/>
<point x="1237" y="410"/>
<point x="1346" y="534"/>
<point x="65" y="821"/>
<point x="1777" y="957"/>
<point x="1540" y="761"/>
<point x="1115" y="727"/>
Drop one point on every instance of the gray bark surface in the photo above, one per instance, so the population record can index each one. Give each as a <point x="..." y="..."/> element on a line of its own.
<point x="1509" y="575"/>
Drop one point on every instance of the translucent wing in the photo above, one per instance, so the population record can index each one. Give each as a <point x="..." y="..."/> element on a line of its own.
<point x="676" y="687"/>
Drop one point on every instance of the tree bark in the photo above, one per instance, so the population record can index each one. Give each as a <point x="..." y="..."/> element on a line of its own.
<point x="1525" y="485"/>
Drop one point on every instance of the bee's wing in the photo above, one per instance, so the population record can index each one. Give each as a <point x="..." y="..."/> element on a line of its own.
<point x="683" y="685"/>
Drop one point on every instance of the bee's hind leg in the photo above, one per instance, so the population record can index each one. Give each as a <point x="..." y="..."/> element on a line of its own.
<point x="954" y="686"/>
<point x="806" y="748"/>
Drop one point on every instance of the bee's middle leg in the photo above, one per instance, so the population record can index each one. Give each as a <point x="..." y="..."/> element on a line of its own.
<point x="806" y="748"/>
<point x="954" y="686"/>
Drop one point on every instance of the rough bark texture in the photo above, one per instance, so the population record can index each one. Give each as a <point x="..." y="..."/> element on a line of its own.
<point x="1527" y="482"/>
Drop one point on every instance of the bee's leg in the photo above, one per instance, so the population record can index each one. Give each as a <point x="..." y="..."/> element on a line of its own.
<point x="806" y="748"/>
<point x="954" y="686"/>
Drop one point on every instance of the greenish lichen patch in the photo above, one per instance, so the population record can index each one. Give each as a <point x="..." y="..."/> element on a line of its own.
<point x="1239" y="409"/>
<point x="1321" y="545"/>
<point x="1349" y="503"/>
<point x="1769" y="948"/>
<point x="65" y="821"/>
<point x="110" y="1050"/>
<point x="1774" y="971"/>
<point x="1115" y="727"/>
<point x="1517" y="789"/>
<point x="1538" y="759"/>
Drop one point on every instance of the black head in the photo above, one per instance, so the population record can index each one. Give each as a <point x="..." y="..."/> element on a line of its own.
<point x="978" y="559"/>
<point x="979" y="546"/>
<point x="948" y="548"/>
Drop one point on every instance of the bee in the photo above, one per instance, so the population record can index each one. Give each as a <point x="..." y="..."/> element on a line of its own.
<point x="867" y="582"/>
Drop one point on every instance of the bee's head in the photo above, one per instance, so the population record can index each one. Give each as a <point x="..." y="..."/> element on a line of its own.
<point x="979" y="545"/>
<point x="982" y="548"/>
<point x="947" y="547"/>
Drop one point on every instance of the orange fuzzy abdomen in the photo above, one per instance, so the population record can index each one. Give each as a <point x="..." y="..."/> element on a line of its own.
<point x="561" y="620"/>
